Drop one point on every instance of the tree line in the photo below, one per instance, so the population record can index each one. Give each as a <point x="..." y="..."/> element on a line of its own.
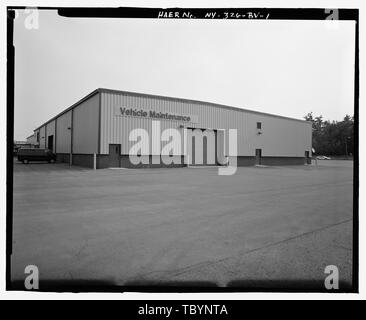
<point x="333" y="138"/>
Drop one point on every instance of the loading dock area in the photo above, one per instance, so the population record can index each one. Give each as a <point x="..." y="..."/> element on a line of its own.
<point x="189" y="225"/>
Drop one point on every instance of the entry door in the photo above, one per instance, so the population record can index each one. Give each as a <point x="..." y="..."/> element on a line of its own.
<point x="258" y="156"/>
<point x="114" y="155"/>
<point x="50" y="142"/>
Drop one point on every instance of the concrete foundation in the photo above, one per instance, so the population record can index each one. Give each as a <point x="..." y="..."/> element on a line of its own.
<point x="103" y="161"/>
<point x="282" y="161"/>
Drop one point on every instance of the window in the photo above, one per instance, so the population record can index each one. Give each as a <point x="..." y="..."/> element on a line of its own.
<point x="259" y="125"/>
<point x="37" y="136"/>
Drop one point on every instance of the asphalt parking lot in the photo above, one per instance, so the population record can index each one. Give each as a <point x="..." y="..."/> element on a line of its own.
<point x="184" y="226"/>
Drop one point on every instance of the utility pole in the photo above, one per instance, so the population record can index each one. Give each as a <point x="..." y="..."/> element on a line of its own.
<point x="346" y="143"/>
<point x="346" y="147"/>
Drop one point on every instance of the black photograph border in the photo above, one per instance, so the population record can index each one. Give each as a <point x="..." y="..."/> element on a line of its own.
<point x="196" y="13"/>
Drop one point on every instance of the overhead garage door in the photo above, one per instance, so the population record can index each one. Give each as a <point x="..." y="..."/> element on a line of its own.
<point x="202" y="145"/>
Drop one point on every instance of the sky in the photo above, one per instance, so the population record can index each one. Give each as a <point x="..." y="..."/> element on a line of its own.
<point x="289" y="68"/>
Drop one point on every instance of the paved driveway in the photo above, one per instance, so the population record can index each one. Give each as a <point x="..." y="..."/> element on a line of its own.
<point x="260" y="227"/>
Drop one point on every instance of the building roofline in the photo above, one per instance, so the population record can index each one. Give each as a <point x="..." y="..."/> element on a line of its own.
<point x="217" y="105"/>
<point x="94" y="92"/>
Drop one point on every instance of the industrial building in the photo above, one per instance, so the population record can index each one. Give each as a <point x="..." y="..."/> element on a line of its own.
<point x="96" y="132"/>
<point x="31" y="140"/>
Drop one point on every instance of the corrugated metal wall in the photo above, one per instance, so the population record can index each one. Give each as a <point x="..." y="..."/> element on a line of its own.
<point x="32" y="139"/>
<point x="50" y="130"/>
<point x="280" y="136"/>
<point x="42" y="137"/>
<point x="63" y="134"/>
<point x="86" y="126"/>
<point x="116" y="129"/>
<point x="83" y="119"/>
<point x="35" y="136"/>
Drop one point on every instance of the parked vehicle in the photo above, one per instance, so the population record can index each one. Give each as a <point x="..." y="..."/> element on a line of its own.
<point x="34" y="154"/>
<point x="15" y="151"/>
<point x="323" y="158"/>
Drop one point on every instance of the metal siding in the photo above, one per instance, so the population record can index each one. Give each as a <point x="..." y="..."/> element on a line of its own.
<point x="281" y="136"/>
<point x="35" y="136"/>
<point x="85" y="126"/>
<point x="32" y="139"/>
<point x="63" y="137"/>
<point x="71" y="107"/>
<point x="49" y="132"/>
<point x="42" y="137"/>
